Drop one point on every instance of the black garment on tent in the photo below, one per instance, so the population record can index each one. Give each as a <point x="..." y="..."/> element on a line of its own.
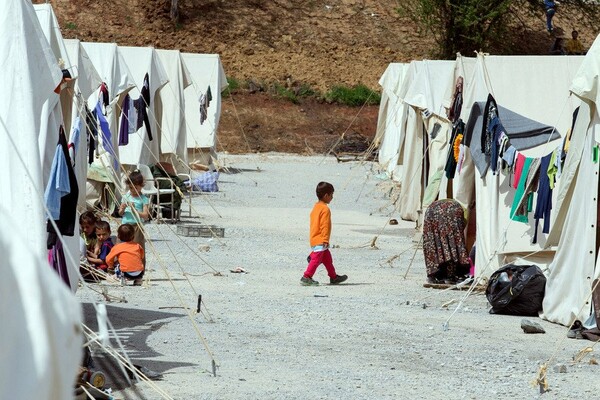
<point x="68" y="203"/>
<point x="91" y="128"/>
<point x="521" y="292"/>
<point x="142" y="104"/>
<point x="450" y="167"/>
<point x="523" y="133"/>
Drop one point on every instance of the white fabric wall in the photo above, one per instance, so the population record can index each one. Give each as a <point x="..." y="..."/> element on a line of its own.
<point x="206" y="70"/>
<point x="391" y="120"/>
<point x="113" y="71"/>
<point x="574" y="267"/>
<point x="142" y="60"/>
<point x="515" y="82"/>
<point x="171" y="106"/>
<point x="41" y="343"/>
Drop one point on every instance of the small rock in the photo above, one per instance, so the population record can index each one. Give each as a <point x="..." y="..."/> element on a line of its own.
<point x="531" y="327"/>
<point x="560" y="368"/>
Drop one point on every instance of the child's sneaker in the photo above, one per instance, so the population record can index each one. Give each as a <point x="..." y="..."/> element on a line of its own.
<point x="338" y="279"/>
<point x="304" y="281"/>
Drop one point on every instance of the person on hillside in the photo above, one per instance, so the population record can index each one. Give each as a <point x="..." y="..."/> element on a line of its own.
<point x="444" y="244"/>
<point x="558" y="47"/>
<point x="574" y="46"/>
<point x="129" y="255"/>
<point x="320" y="231"/>
<point x="103" y="246"/>
<point x="550" y="7"/>
<point x="134" y="208"/>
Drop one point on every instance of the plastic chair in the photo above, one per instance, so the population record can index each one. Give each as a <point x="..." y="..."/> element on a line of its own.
<point x="152" y="188"/>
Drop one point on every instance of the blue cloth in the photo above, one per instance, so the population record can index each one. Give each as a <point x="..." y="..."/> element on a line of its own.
<point x="58" y="184"/>
<point x="206" y="182"/>
<point x="129" y="217"/>
<point x="107" y="245"/>
<point x="544" y="198"/>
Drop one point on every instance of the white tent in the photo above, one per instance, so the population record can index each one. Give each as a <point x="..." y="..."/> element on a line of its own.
<point x="59" y="112"/>
<point x="574" y="268"/>
<point x="207" y="72"/>
<point x="171" y="108"/>
<point x="389" y="120"/>
<point x="53" y="112"/>
<point x="41" y="338"/>
<point x="113" y="70"/>
<point x="87" y="83"/>
<point x="142" y="61"/>
<point x="517" y="83"/>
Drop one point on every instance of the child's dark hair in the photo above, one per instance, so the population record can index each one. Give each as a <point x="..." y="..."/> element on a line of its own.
<point x="126" y="232"/>
<point x="103" y="225"/>
<point x="88" y="217"/>
<point x="324" y="188"/>
<point x="136" y="178"/>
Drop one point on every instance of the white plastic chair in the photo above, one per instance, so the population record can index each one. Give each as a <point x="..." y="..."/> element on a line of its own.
<point x="152" y="188"/>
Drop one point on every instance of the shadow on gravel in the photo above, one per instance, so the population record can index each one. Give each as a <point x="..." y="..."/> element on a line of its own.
<point x="133" y="326"/>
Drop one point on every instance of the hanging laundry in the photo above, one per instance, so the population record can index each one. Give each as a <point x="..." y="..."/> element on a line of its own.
<point x="552" y="169"/>
<point x="203" y="100"/>
<point x="457" y="101"/>
<point x="92" y="133"/>
<point x="56" y="259"/>
<point x="208" y="97"/>
<point x="124" y="124"/>
<point x="509" y="155"/>
<point x="104" y="97"/>
<point x="75" y="137"/>
<point x="520" y="181"/>
<point x="461" y="157"/>
<point x="450" y="167"/>
<point x="65" y="219"/>
<point x="531" y="186"/>
<point x="519" y="164"/>
<point x="58" y="183"/>
<point x="544" y="198"/>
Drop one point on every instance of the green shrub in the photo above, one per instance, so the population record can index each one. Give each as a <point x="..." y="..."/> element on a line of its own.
<point x="353" y="96"/>
<point x="285" y="93"/>
<point x="232" y="85"/>
<point x="70" y="25"/>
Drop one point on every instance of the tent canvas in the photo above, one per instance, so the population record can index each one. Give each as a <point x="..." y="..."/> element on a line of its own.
<point x="43" y="337"/>
<point x="574" y="268"/>
<point x="206" y="71"/>
<point x="515" y="82"/>
<point x="171" y="108"/>
<point x="142" y="61"/>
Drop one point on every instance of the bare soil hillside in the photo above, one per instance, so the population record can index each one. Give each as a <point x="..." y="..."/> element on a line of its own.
<point x="318" y="43"/>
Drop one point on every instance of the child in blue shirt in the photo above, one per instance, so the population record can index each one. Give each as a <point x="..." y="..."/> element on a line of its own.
<point x="134" y="208"/>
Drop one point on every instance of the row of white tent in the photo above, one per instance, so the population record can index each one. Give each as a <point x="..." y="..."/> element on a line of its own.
<point x="42" y="336"/>
<point x="545" y="89"/>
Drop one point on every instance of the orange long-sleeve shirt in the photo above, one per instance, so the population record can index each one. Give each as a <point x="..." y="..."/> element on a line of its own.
<point x="320" y="224"/>
<point x="129" y="255"/>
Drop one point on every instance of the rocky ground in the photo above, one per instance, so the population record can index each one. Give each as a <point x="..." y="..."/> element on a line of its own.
<point x="379" y="336"/>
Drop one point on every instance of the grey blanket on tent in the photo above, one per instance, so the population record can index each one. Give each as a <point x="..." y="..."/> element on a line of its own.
<point x="524" y="133"/>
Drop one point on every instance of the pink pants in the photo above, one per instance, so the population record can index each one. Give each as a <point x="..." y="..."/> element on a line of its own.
<point x="317" y="258"/>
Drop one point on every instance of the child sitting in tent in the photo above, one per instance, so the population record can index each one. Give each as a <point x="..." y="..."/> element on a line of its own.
<point x="103" y="246"/>
<point x="128" y="254"/>
<point x="88" y="240"/>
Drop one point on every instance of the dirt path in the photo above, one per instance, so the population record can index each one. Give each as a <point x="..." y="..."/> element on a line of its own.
<point x="379" y="336"/>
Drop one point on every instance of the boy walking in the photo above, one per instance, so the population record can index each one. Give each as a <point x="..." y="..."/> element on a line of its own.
<point x="320" y="230"/>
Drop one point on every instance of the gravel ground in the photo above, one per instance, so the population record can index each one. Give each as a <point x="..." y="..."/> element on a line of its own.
<point x="378" y="336"/>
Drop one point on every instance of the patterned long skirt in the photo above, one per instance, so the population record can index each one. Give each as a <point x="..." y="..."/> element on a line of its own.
<point x="444" y="245"/>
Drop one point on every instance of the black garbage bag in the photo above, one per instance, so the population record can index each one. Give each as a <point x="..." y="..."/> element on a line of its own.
<point x="516" y="290"/>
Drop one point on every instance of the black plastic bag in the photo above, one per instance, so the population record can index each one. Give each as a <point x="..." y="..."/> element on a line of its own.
<point x="516" y="290"/>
